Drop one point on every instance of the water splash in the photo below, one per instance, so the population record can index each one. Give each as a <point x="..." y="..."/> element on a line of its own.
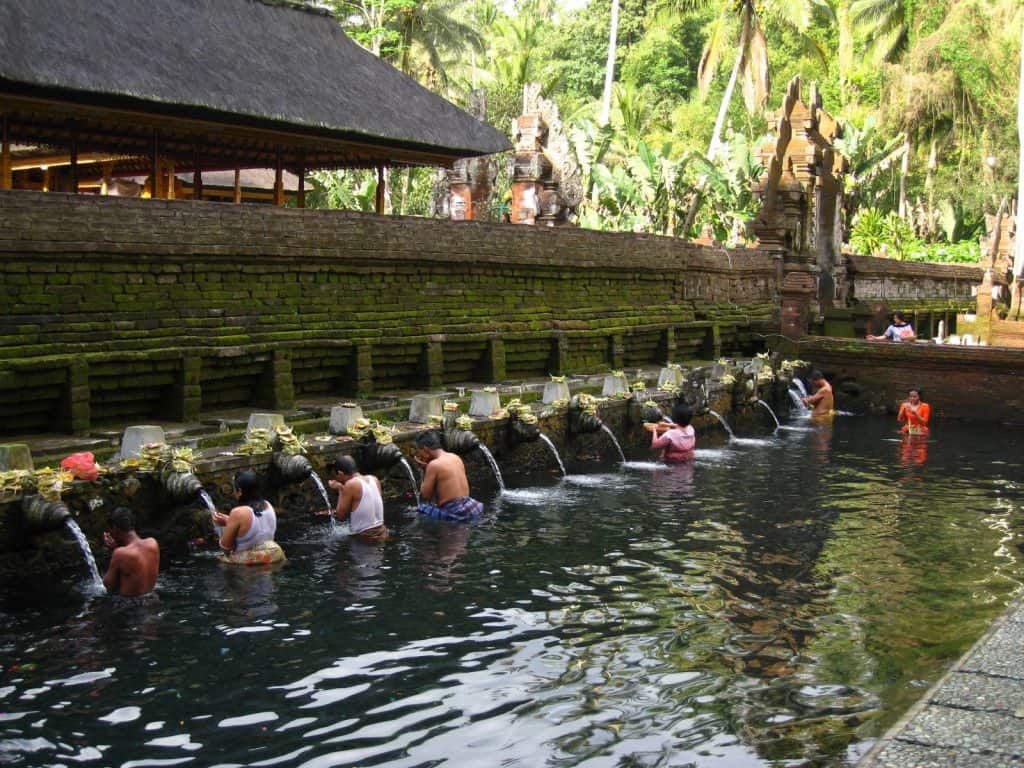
<point x="554" y="450"/>
<point x="799" y="408"/>
<point x="494" y="467"/>
<point x="724" y="423"/>
<point x="97" y="582"/>
<point x="207" y="501"/>
<point x="622" y="456"/>
<point x="799" y="384"/>
<point x="769" y="409"/>
<point x="412" y="479"/>
<point x="327" y="501"/>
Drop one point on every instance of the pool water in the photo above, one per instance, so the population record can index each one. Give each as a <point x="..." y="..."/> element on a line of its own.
<point x="779" y="602"/>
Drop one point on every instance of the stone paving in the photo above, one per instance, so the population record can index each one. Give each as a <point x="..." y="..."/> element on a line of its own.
<point x="974" y="716"/>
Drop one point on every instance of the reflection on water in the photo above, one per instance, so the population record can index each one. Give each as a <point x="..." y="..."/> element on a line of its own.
<point x="771" y="603"/>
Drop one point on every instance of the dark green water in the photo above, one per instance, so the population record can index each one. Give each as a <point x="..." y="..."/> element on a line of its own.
<point x="775" y="604"/>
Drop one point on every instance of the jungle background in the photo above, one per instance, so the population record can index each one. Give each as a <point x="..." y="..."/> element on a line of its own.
<point x="926" y="91"/>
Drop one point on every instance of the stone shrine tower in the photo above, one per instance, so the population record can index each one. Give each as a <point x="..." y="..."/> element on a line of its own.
<point x="546" y="181"/>
<point x="464" y="193"/>
<point x="801" y="208"/>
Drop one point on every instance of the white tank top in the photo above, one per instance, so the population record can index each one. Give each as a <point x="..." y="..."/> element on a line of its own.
<point x="263" y="528"/>
<point x="369" y="512"/>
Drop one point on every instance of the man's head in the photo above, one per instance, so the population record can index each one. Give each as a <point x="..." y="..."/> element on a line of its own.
<point x="121" y="522"/>
<point x="898" y="318"/>
<point x="344" y="468"/>
<point x="816" y="377"/>
<point x="428" y="445"/>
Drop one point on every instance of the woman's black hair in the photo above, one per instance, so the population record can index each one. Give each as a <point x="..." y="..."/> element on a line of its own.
<point x="251" y="493"/>
<point x="682" y="414"/>
<point x="920" y="394"/>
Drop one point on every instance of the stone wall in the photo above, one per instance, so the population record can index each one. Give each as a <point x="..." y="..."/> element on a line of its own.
<point x="977" y="383"/>
<point x="121" y="310"/>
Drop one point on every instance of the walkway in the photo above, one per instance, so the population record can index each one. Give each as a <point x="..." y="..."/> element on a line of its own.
<point x="974" y="716"/>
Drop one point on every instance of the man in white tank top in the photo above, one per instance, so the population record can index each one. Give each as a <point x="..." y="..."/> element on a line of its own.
<point x="359" y="499"/>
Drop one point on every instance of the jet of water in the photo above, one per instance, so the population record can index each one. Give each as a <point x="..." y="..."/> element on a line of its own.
<point x="90" y="561"/>
<point x="323" y="494"/>
<point x="494" y="467"/>
<point x="554" y="450"/>
<point x="724" y="423"/>
<point x="769" y="409"/>
<point x="622" y="456"/>
<point x="412" y="479"/>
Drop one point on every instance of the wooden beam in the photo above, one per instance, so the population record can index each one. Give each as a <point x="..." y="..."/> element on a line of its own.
<point x="379" y="202"/>
<point x="279" y="180"/>
<point x="108" y="170"/>
<point x="301" y="201"/>
<point x="238" y="185"/>
<point x="6" y="180"/>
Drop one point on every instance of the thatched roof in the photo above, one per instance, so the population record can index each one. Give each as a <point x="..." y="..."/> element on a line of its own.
<point x="241" y="62"/>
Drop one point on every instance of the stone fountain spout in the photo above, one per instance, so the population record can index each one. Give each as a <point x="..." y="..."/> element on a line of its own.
<point x="42" y="516"/>
<point x="380" y="456"/>
<point x="460" y="441"/>
<point x="523" y="432"/>
<point x="180" y="486"/>
<point x="294" y="468"/>
<point x="582" y="421"/>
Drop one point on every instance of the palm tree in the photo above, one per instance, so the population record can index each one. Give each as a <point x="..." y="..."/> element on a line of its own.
<point x="751" y="55"/>
<point x="609" y="71"/>
<point x="885" y="24"/>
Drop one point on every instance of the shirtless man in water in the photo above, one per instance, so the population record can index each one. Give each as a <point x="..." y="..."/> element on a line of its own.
<point x="822" y="401"/>
<point x="444" y="482"/>
<point x="135" y="561"/>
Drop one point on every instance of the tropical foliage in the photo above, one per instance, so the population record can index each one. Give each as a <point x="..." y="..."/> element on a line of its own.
<point x="925" y="89"/>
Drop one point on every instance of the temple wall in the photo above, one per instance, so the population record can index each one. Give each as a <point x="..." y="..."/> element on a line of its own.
<point x="120" y="310"/>
<point x="977" y="383"/>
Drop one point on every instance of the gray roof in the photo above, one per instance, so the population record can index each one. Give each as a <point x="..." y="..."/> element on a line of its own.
<point x="236" y="61"/>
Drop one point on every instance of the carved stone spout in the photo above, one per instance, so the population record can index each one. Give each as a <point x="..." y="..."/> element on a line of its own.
<point x="294" y="468"/>
<point x="460" y="441"/>
<point x="523" y="432"/>
<point x="581" y="421"/>
<point x="180" y="486"/>
<point x="380" y="456"/>
<point x="43" y="516"/>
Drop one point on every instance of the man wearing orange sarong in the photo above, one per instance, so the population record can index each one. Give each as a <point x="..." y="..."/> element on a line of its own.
<point x="915" y="413"/>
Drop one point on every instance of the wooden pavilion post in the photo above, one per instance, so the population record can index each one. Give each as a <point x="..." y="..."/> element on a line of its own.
<point x="238" y="186"/>
<point x="154" y="168"/>
<point x="197" y="174"/>
<point x="170" y="180"/>
<point x="74" y="160"/>
<point x="380" y="189"/>
<point x="279" y="180"/>
<point x="6" y="181"/>
<point x="301" y="200"/>
<point x="108" y="171"/>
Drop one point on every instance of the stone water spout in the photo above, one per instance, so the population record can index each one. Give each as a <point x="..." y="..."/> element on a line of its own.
<point x="180" y="486"/>
<point x="380" y="456"/>
<point x="294" y="468"/>
<point x="583" y="418"/>
<point x="459" y="441"/>
<point x="42" y="516"/>
<point x="523" y="426"/>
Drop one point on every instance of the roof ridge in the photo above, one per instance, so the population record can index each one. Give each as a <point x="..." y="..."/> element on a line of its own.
<point x="297" y="5"/>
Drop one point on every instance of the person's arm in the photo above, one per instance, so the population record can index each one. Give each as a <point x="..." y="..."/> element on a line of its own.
<point x="924" y="413"/>
<point x="660" y="441"/>
<point x="348" y="499"/>
<point x="231" y="528"/>
<point x="816" y="398"/>
<point x="902" y="415"/>
<point x="429" y="487"/>
<point x="112" y="579"/>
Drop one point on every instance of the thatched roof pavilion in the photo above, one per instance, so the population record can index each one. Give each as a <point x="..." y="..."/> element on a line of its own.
<point x="115" y="87"/>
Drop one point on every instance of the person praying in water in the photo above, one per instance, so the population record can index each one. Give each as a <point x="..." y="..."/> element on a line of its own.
<point x="675" y="440"/>
<point x="915" y="413"/>
<point x="822" y="401"/>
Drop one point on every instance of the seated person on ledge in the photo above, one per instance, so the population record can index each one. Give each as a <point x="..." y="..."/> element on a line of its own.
<point x="248" y="530"/>
<point x="359" y="499"/>
<point x="675" y="440"/>
<point x="899" y="330"/>
<point x="444" y="481"/>
<point x="821" y="402"/>
<point x="135" y="561"/>
<point x="915" y="413"/>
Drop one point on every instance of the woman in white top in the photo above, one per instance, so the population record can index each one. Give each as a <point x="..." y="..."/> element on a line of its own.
<point x="359" y="499"/>
<point x="247" y="534"/>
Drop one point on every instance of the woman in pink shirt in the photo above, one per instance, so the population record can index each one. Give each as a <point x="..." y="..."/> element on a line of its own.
<point x="677" y="440"/>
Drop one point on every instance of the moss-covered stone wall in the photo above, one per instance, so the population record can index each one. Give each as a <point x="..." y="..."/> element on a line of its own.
<point x="122" y="310"/>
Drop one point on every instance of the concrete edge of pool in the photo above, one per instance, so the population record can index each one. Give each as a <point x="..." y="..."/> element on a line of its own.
<point x="972" y="717"/>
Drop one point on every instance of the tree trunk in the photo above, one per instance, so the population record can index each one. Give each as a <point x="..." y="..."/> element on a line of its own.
<point x="609" y="67"/>
<point x="723" y="110"/>
<point x="904" y="172"/>
<point x="845" y="50"/>
<point x="1018" y="252"/>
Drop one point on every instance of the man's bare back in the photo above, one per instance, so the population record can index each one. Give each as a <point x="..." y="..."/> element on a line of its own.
<point x="444" y="478"/>
<point x="822" y="401"/>
<point x="133" y="568"/>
